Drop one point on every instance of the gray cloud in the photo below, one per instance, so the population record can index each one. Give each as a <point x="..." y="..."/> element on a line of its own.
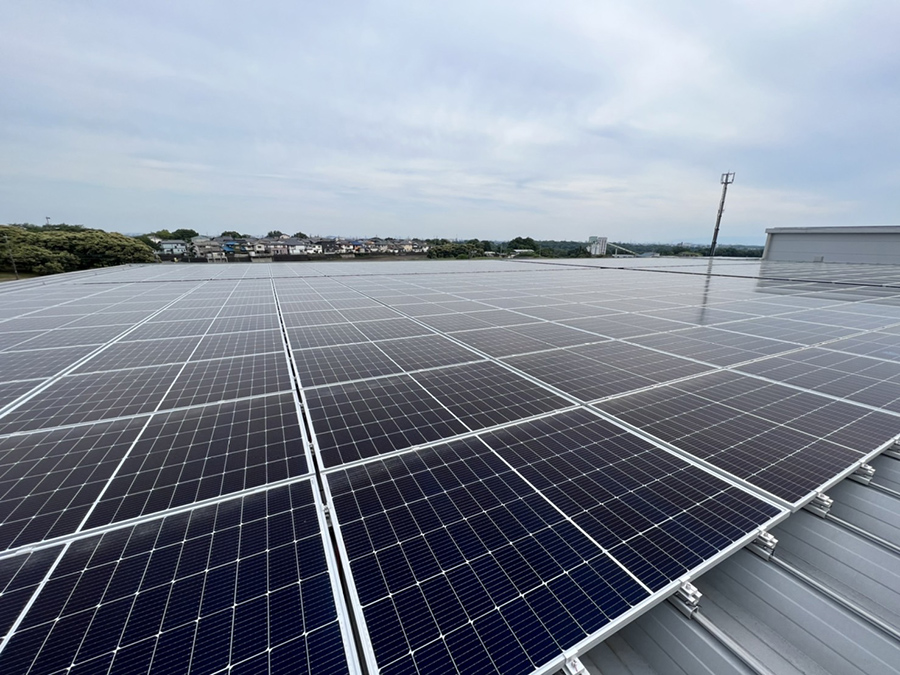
<point x="489" y="119"/>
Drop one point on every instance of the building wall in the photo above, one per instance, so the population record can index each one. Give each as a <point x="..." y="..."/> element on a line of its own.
<point x="879" y="245"/>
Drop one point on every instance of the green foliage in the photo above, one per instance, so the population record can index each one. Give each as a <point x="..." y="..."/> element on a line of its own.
<point x="148" y="241"/>
<point x="563" y="249"/>
<point x="468" y="249"/>
<point x="51" y="250"/>
<point x="233" y="234"/>
<point x="183" y="234"/>
<point x="683" y="249"/>
<point x="522" y="243"/>
<point x="274" y="234"/>
<point x="300" y="235"/>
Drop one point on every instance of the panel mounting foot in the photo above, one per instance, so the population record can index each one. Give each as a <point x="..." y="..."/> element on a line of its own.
<point x="764" y="545"/>
<point x="574" y="666"/>
<point x="820" y="505"/>
<point x="686" y="599"/>
<point x="863" y="474"/>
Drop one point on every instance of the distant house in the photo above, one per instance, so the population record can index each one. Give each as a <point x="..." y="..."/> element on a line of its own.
<point x="204" y="247"/>
<point x="173" y="246"/>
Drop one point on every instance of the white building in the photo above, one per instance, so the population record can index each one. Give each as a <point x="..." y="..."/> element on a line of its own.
<point x="597" y="245"/>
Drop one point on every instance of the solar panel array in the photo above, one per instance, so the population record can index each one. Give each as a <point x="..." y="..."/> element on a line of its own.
<point x="473" y="467"/>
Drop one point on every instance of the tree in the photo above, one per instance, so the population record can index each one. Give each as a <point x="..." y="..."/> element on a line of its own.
<point x="148" y="241"/>
<point x="52" y="251"/>
<point x="523" y="243"/>
<point x="184" y="234"/>
<point x="300" y="235"/>
<point x="232" y="234"/>
<point x="274" y="234"/>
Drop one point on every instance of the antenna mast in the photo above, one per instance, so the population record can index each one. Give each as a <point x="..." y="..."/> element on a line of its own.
<point x="726" y="180"/>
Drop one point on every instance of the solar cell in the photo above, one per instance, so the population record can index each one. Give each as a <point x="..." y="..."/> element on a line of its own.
<point x="239" y="344"/>
<point x="242" y="585"/>
<point x="163" y="329"/>
<point x="714" y="346"/>
<point x="324" y="336"/>
<point x="654" y="512"/>
<point x="500" y="341"/>
<point x="134" y="354"/>
<point x="576" y="375"/>
<point x="69" y="337"/>
<point x="624" y="325"/>
<point x="387" y="329"/>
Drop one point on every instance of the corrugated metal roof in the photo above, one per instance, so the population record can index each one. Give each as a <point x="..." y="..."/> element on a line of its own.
<point x="785" y="622"/>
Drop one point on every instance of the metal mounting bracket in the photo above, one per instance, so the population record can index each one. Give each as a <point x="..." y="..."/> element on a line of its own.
<point x="574" y="666"/>
<point x="686" y="599"/>
<point x="764" y="545"/>
<point x="820" y="505"/>
<point x="863" y="474"/>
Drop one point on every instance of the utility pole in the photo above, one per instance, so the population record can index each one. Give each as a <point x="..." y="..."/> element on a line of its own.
<point x="11" y="259"/>
<point x="727" y="179"/>
<point x="48" y="219"/>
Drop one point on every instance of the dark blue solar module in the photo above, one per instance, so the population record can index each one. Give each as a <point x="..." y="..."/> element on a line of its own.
<point x="242" y="585"/>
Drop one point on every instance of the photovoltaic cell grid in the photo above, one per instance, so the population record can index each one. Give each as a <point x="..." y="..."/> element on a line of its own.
<point x="226" y="420"/>
<point x="783" y="440"/>
<point x="242" y="585"/>
<point x="460" y="565"/>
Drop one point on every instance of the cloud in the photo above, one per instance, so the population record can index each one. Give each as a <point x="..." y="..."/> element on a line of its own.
<point x="451" y="119"/>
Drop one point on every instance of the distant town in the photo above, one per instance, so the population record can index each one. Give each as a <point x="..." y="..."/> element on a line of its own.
<point x="31" y="250"/>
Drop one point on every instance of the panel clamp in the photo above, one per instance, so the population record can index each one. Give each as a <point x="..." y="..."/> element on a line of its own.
<point x="863" y="474"/>
<point x="574" y="666"/>
<point x="764" y="545"/>
<point x="686" y="599"/>
<point x="820" y="505"/>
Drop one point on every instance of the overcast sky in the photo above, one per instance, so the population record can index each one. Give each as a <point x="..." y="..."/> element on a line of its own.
<point x="554" y="119"/>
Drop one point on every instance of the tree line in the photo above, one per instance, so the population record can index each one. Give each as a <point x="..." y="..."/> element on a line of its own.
<point x="50" y="249"/>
